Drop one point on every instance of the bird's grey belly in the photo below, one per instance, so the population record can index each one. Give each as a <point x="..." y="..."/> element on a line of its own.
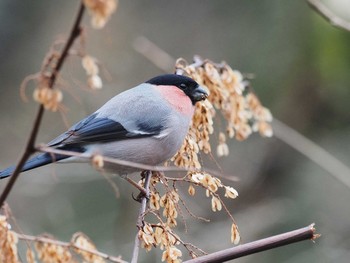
<point x="148" y="151"/>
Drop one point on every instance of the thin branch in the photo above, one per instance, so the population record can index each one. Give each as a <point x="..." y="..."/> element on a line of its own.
<point x="108" y="160"/>
<point x="312" y="151"/>
<point x="192" y="214"/>
<point x="29" y="149"/>
<point x="259" y="245"/>
<point x="144" y="200"/>
<point x="192" y="249"/>
<point x="329" y="15"/>
<point x="140" y="166"/>
<point x="75" y="32"/>
<point x="70" y="246"/>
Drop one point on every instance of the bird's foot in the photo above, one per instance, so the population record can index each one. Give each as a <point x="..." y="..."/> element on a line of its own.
<point x="143" y="193"/>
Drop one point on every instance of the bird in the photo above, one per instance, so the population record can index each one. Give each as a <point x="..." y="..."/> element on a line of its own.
<point x="146" y="124"/>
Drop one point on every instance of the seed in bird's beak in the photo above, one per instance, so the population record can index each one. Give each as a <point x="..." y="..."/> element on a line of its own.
<point x="201" y="93"/>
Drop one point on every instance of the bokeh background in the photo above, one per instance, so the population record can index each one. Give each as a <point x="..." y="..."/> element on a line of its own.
<point x="302" y="73"/>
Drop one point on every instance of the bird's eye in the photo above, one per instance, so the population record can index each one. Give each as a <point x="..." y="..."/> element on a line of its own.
<point x="183" y="86"/>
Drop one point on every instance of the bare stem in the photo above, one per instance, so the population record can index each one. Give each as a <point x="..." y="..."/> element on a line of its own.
<point x="259" y="245"/>
<point x="327" y="14"/>
<point x="70" y="246"/>
<point x="109" y="160"/>
<point x="144" y="200"/>
<point x="30" y="149"/>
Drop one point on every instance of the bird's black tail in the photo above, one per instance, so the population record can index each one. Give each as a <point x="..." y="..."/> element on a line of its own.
<point x="37" y="161"/>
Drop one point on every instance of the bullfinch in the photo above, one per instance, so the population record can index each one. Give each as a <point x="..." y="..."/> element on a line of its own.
<point x="146" y="124"/>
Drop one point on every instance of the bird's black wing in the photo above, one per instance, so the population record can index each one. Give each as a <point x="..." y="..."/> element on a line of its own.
<point x="101" y="130"/>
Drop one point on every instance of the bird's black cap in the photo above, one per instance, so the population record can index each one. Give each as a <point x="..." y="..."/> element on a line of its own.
<point x="191" y="88"/>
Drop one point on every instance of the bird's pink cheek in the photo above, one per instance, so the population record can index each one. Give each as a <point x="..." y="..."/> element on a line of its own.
<point x="177" y="99"/>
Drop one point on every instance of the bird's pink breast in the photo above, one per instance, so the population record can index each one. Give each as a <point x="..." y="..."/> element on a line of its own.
<point x="177" y="98"/>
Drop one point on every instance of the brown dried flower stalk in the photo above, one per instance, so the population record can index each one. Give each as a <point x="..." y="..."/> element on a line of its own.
<point x="101" y="11"/>
<point x="212" y="185"/>
<point x="8" y="242"/>
<point x="90" y="66"/>
<point x="82" y="241"/>
<point x="49" y="252"/>
<point x="231" y="96"/>
<point x="160" y="235"/>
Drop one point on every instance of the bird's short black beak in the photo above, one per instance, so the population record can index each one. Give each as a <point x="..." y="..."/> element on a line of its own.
<point x="199" y="93"/>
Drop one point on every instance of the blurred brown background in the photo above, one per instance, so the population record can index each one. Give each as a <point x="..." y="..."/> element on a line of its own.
<point x="301" y="66"/>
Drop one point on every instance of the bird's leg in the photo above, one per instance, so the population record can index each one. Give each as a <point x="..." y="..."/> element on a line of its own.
<point x="143" y="192"/>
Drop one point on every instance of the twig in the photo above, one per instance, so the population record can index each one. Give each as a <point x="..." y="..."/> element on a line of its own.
<point x="192" y="214"/>
<point x="190" y="247"/>
<point x="258" y="246"/>
<point x="144" y="200"/>
<point x="142" y="190"/>
<point x="70" y="245"/>
<point x="312" y="151"/>
<point x="327" y="14"/>
<point x="109" y="160"/>
<point x="29" y="149"/>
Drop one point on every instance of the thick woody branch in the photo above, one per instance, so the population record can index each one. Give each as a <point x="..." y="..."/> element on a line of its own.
<point x="305" y="233"/>
<point x="327" y="14"/>
<point x="30" y="149"/>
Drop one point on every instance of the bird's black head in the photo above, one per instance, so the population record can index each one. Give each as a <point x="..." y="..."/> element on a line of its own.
<point x="191" y="88"/>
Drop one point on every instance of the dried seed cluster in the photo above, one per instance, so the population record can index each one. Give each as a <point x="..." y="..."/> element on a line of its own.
<point x="161" y="236"/>
<point x="231" y="96"/>
<point x="212" y="185"/>
<point x="8" y="242"/>
<point x="97" y="161"/>
<point x="44" y="93"/>
<point x="48" y="252"/>
<point x="82" y="241"/>
<point x="235" y="237"/>
<point x="168" y="202"/>
<point x="222" y="149"/>
<point x="167" y="206"/>
<point x="171" y="255"/>
<point x="30" y="256"/>
<point x="187" y="156"/>
<point x="101" y="11"/>
<point x="50" y="98"/>
<point x="90" y="66"/>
